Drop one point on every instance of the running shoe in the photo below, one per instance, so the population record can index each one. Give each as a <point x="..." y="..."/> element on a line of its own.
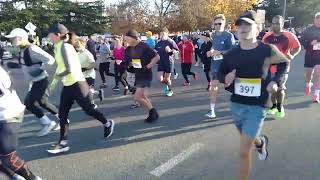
<point x="263" y="149"/>
<point x="186" y="84"/>
<point x="197" y="64"/>
<point x="38" y="178"/>
<point x="133" y="106"/>
<point x="59" y="148"/>
<point x="153" y="116"/>
<point x="165" y="89"/>
<point x="211" y="114"/>
<point x="103" y="85"/>
<point x="47" y="128"/>
<point x="209" y="87"/>
<point x="176" y="76"/>
<point x="307" y="89"/>
<point x="280" y="114"/>
<point x="315" y="99"/>
<point x="17" y="177"/>
<point x="101" y="94"/>
<point x="108" y="131"/>
<point x="169" y="93"/>
<point x="272" y="111"/>
<point x="116" y="88"/>
<point x="57" y="128"/>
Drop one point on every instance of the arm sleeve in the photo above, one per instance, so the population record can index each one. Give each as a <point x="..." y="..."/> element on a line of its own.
<point x="304" y="39"/>
<point x="37" y="54"/>
<point x="223" y="71"/>
<point x="67" y="58"/>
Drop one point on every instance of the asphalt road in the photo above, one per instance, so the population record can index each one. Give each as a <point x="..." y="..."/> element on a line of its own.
<point x="182" y="145"/>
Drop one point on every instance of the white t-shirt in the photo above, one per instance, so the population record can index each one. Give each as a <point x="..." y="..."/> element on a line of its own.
<point x="86" y="58"/>
<point x="10" y="104"/>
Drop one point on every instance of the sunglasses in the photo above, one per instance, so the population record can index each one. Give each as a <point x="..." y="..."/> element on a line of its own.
<point x="217" y="24"/>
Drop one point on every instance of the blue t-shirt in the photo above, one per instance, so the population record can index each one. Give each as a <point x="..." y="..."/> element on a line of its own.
<point x="223" y="42"/>
<point x="151" y="42"/>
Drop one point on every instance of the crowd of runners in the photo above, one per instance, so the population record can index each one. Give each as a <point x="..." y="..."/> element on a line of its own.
<point x="254" y="70"/>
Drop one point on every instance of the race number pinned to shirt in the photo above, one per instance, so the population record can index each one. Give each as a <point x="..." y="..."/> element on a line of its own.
<point x="118" y="61"/>
<point x="248" y="87"/>
<point x="136" y="63"/>
<point x="316" y="47"/>
<point x="218" y="57"/>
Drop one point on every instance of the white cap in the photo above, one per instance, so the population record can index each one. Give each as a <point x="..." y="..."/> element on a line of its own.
<point x="317" y="14"/>
<point x="18" y="32"/>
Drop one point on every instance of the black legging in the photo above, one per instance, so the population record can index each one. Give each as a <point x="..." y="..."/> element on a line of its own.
<point x="80" y="93"/>
<point x="104" y="68"/>
<point x="120" y="75"/>
<point x="185" y="68"/>
<point x="37" y="97"/>
<point x="207" y="67"/>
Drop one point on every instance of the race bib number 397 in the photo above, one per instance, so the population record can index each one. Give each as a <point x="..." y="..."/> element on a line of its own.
<point x="248" y="87"/>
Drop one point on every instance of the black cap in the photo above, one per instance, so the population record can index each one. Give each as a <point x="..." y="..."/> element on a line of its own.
<point x="249" y="17"/>
<point x="132" y="33"/>
<point x="206" y="34"/>
<point x="58" y="28"/>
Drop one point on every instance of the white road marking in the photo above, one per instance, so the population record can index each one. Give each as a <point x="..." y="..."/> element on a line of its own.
<point x="159" y="171"/>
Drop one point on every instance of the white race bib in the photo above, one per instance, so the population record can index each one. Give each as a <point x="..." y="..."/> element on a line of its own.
<point x="136" y="63"/>
<point x="248" y="87"/>
<point x="218" y="57"/>
<point x="118" y="61"/>
<point x="316" y="47"/>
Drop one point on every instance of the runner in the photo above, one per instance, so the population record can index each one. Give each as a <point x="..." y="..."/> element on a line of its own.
<point x="195" y="38"/>
<point x="87" y="66"/>
<point x="165" y="48"/>
<point x="290" y="46"/>
<point x="91" y="46"/>
<point x="206" y="58"/>
<point x="33" y="60"/>
<point x="11" y="115"/>
<point x="222" y="41"/>
<point x="74" y="87"/>
<point x="142" y="58"/>
<point x="250" y="87"/>
<point x="311" y="41"/>
<point x="186" y="50"/>
<point x="105" y="61"/>
<point x="150" y="41"/>
<point x="120" y="73"/>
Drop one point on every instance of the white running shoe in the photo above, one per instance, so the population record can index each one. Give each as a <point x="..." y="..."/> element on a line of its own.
<point x="211" y="114"/>
<point x="17" y="177"/>
<point x="38" y="178"/>
<point x="47" y="128"/>
<point x="176" y="76"/>
<point x="263" y="150"/>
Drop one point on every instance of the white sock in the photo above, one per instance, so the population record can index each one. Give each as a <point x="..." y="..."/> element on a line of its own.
<point x="212" y="107"/>
<point x="64" y="142"/>
<point x="317" y="92"/>
<point x="45" y="120"/>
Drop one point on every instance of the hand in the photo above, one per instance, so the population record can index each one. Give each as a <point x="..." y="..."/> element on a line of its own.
<point x="196" y="46"/>
<point x="230" y="78"/>
<point x="216" y="53"/>
<point x="290" y="57"/>
<point x="209" y="54"/>
<point x="168" y="49"/>
<point x="272" y="87"/>
<point x="314" y="42"/>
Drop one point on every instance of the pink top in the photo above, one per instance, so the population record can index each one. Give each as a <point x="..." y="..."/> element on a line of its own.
<point x="118" y="53"/>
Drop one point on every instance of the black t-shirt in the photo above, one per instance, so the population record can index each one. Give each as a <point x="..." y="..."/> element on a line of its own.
<point x="205" y="47"/>
<point x="161" y="49"/>
<point x="250" y="64"/>
<point x="143" y="53"/>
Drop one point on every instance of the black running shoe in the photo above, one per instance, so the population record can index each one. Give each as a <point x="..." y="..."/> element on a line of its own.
<point x="108" y="131"/>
